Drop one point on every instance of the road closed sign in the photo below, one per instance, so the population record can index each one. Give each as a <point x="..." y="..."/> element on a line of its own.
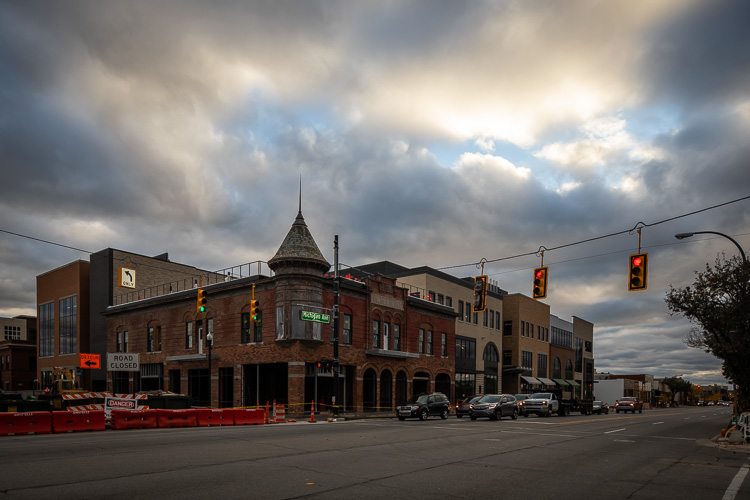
<point x="123" y="362"/>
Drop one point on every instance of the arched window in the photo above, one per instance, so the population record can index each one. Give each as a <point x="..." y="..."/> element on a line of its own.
<point x="490" y="353"/>
<point x="569" y="370"/>
<point x="556" y="368"/>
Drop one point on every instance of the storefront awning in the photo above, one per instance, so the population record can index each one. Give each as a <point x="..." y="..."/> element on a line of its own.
<point x="561" y="382"/>
<point x="531" y="380"/>
<point x="573" y="383"/>
<point x="546" y="381"/>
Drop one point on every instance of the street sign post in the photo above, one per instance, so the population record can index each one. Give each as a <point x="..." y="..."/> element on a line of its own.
<point x="90" y="361"/>
<point x="123" y="362"/>
<point x="315" y="316"/>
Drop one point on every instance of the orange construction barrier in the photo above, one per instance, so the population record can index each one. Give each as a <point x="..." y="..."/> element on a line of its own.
<point x="267" y="412"/>
<point x="208" y="417"/>
<point x="34" y="422"/>
<point x="77" y="421"/>
<point x="249" y="416"/>
<point x="279" y="414"/>
<point x="178" y="418"/>
<point x="133" y="419"/>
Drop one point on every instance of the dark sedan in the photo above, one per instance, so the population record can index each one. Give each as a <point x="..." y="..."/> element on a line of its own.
<point x="600" y="408"/>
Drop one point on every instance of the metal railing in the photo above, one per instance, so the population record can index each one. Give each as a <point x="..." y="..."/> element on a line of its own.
<point x="194" y="281"/>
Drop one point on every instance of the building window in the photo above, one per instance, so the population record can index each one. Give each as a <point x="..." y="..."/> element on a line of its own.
<point x="188" y="335"/>
<point x="466" y="348"/>
<point x="476" y="318"/>
<point x="579" y="355"/>
<point x="541" y="365"/>
<point x="527" y="359"/>
<point x="460" y="310"/>
<point x="280" y="322"/>
<point x="421" y="341"/>
<point x="386" y="335"/>
<point x="465" y="385"/>
<point x="47" y="329"/>
<point x="431" y="296"/>
<point x="396" y="337"/>
<point x="443" y="344"/>
<point x="497" y="320"/>
<point x="122" y="341"/>
<point x="429" y="343"/>
<point x="468" y="313"/>
<point x="376" y="334"/>
<point x="485" y="319"/>
<point x="154" y="339"/>
<point x="507" y="357"/>
<point x="245" y="328"/>
<point x="347" y="334"/>
<point x="556" y="368"/>
<point x="507" y="328"/>
<point x="449" y="301"/>
<point x="12" y="332"/>
<point x="440" y="299"/>
<point x="492" y="318"/>
<point x="568" y="369"/>
<point x="68" y="325"/>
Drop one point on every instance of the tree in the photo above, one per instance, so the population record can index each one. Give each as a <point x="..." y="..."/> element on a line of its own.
<point x="677" y="385"/>
<point x="718" y="307"/>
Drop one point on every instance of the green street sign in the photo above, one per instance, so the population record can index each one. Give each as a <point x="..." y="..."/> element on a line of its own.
<point x="317" y="317"/>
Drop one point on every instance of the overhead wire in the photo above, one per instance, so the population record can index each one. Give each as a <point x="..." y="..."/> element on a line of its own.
<point x="588" y="240"/>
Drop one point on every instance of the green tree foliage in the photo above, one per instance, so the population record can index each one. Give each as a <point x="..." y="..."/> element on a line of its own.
<point x="677" y="385"/>
<point x="718" y="307"/>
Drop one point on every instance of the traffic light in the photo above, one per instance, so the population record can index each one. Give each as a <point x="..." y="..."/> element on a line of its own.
<point x="480" y="293"/>
<point x="540" y="283"/>
<point x="200" y="305"/>
<point x="325" y="365"/>
<point x="638" y="278"/>
<point x="254" y="313"/>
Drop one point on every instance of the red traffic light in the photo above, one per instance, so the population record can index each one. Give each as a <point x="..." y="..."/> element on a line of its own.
<point x="638" y="276"/>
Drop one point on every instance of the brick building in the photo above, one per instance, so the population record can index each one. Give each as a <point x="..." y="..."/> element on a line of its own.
<point x="62" y="297"/>
<point x="391" y="344"/>
<point x="526" y="344"/>
<point x="18" y="353"/>
<point x="478" y="335"/>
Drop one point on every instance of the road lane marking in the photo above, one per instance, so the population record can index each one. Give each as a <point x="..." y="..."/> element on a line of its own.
<point x="734" y="486"/>
<point x="657" y="423"/>
<point x="616" y="430"/>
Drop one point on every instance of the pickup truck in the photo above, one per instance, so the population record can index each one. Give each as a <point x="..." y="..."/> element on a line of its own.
<point x="629" y="404"/>
<point x="549" y="401"/>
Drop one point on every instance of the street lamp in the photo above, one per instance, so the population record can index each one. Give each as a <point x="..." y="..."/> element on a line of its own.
<point x="682" y="236"/>
<point x="210" y="340"/>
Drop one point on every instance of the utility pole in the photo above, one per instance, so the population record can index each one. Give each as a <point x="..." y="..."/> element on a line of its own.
<point x="335" y="324"/>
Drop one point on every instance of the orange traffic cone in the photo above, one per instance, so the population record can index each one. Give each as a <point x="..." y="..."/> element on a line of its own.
<point x="312" y="412"/>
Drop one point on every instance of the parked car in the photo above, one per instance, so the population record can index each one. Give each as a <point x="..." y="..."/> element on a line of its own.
<point x="629" y="404"/>
<point x="600" y="407"/>
<point x="464" y="407"/>
<point x="423" y="405"/>
<point x="495" y="406"/>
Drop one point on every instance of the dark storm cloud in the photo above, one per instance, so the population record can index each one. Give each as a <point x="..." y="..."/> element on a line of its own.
<point x="701" y="57"/>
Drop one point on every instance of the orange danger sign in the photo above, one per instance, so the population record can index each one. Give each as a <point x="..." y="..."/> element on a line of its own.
<point x="89" y="360"/>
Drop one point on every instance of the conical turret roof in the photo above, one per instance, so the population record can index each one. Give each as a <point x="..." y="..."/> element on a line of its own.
<point x="298" y="251"/>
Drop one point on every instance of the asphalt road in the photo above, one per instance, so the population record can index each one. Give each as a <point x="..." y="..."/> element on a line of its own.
<point x="662" y="454"/>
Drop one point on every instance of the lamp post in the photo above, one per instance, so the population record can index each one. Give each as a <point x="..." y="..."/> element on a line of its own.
<point x="682" y="236"/>
<point x="210" y="340"/>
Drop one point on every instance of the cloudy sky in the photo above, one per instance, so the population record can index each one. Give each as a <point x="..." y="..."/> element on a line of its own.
<point x="424" y="132"/>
